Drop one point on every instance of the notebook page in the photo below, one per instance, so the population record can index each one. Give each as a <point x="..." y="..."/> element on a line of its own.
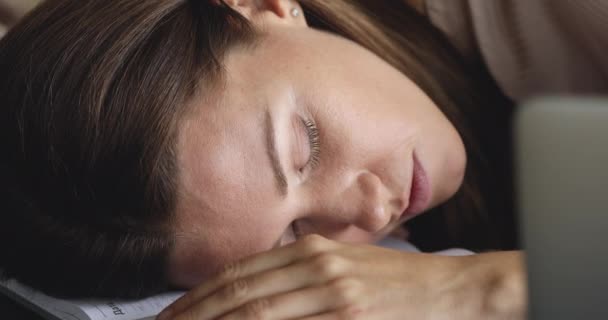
<point x="90" y="309"/>
<point x="127" y="310"/>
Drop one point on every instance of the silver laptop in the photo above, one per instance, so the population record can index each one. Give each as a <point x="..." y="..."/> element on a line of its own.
<point x="561" y="147"/>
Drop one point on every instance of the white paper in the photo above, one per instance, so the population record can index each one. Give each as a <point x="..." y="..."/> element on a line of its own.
<point x="127" y="310"/>
<point x="93" y="309"/>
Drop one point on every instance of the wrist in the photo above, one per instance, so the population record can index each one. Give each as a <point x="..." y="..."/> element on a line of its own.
<point x="485" y="286"/>
<point x="506" y="285"/>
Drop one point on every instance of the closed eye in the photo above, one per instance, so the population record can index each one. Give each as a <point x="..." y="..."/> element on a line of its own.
<point x="313" y="140"/>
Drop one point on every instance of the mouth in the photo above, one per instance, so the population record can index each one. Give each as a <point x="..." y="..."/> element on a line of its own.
<point x="420" y="191"/>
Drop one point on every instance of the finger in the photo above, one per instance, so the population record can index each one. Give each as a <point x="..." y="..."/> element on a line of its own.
<point x="340" y="314"/>
<point x="305" y="273"/>
<point x="306" y="247"/>
<point x="338" y="295"/>
<point x="268" y="283"/>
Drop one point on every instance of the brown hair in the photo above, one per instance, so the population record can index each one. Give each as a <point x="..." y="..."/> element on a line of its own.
<point x="93" y="92"/>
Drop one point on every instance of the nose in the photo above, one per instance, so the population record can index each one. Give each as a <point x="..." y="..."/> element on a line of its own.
<point x="371" y="209"/>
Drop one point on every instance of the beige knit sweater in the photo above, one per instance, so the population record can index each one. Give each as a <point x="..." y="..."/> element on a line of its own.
<point x="532" y="47"/>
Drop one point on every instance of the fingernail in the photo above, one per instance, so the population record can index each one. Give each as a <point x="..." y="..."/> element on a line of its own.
<point x="165" y="314"/>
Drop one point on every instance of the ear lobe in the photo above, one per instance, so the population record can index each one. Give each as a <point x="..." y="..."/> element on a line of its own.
<point x="255" y="9"/>
<point x="279" y="7"/>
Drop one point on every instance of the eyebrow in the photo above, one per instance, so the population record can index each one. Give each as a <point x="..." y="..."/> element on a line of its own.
<point x="271" y="150"/>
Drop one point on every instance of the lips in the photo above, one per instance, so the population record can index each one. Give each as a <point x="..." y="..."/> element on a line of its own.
<point x="420" y="191"/>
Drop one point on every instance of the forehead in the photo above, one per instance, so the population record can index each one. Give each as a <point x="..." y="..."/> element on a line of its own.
<point x="222" y="147"/>
<point x="221" y="153"/>
<point x="225" y="185"/>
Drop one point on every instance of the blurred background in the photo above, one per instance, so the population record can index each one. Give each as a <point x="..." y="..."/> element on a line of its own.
<point x="12" y="10"/>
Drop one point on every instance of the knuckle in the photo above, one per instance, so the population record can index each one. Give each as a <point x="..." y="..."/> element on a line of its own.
<point x="312" y="244"/>
<point x="350" y="313"/>
<point x="230" y="271"/>
<point x="184" y="301"/>
<point x="257" y="310"/>
<point x="346" y="291"/>
<point x="327" y="265"/>
<point x="189" y="314"/>
<point x="236" y="290"/>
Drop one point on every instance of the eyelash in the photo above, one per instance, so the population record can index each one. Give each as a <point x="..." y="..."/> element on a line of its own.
<point x="313" y="139"/>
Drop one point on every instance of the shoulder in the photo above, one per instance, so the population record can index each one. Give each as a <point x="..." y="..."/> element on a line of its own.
<point x="536" y="46"/>
<point x="3" y="30"/>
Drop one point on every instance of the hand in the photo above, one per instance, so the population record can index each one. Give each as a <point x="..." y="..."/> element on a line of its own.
<point x="317" y="278"/>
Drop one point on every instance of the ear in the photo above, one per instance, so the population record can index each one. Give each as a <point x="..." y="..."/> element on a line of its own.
<point x="269" y="12"/>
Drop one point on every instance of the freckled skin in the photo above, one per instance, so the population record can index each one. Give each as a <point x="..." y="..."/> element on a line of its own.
<point x="371" y="120"/>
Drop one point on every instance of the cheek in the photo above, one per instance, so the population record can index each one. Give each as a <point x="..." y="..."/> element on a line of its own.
<point x="189" y="265"/>
<point x="196" y="258"/>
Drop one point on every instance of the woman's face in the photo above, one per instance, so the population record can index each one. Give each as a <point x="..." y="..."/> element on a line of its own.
<point x="311" y="133"/>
